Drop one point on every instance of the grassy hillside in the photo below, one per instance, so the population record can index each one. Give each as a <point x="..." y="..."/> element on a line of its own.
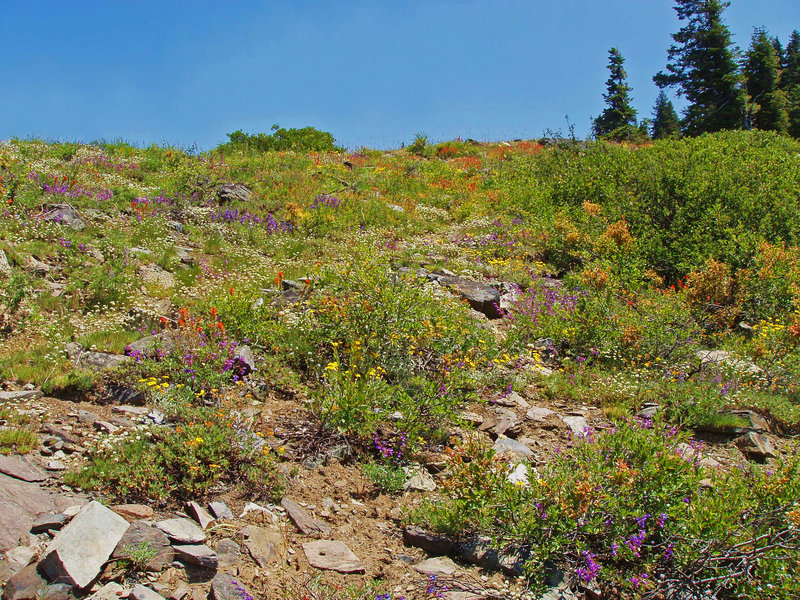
<point x="620" y="268"/>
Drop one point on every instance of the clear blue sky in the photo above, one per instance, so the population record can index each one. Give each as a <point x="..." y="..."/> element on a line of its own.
<point x="372" y="72"/>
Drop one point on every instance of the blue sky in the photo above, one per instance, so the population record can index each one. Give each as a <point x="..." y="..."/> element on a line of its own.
<point x="372" y="73"/>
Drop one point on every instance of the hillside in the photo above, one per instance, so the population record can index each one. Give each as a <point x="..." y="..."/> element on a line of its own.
<point x="571" y="367"/>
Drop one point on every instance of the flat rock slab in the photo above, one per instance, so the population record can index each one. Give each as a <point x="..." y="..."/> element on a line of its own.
<point x="22" y="395"/>
<point x="22" y="468"/>
<point x="227" y="587"/>
<point x="437" y="566"/>
<point x="19" y="557"/>
<point x="220" y="510"/>
<point x="27" y="584"/>
<point x="505" y="445"/>
<point x="264" y="545"/>
<point x="21" y="502"/>
<point x="77" y="554"/>
<point x="199" y="514"/>
<point x="49" y="522"/>
<point x="196" y="554"/>
<point x="481" y="298"/>
<point x="133" y="512"/>
<point x="432" y="543"/>
<point x="302" y="520"/>
<point x="755" y="446"/>
<point x="182" y="531"/>
<point x="332" y="555"/>
<point x="140" y="592"/>
<point x="227" y="552"/>
<point x="110" y="591"/>
<point x="576" y="423"/>
<point x="140" y="533"/>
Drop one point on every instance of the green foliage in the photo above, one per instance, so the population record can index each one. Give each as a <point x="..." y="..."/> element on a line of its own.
<point x="666" y="124"/>
<point x="181" y="463"/>
<point x="767" y="102"/>
<point x="628" y="510"/>
<point x="299" y="140"/>
<point x="18" y="440"/>
<point x="138" y="558"/>
<point x="618" y="120"/>
<point x="387" y="478"/>
<point x="703" y="65"/>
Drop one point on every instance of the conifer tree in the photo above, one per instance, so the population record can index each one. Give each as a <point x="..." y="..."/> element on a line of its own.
<point x="703" y="66"/>
<point x="618" y="119"/>
<point x="790" y="82"/>
<point x="767" y="103"/>
<point x="665" y="119"/>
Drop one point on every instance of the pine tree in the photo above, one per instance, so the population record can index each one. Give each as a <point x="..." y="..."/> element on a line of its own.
<point x="618" y="119"/>
<point x="703" y="65"/>
<point x="665" y="119"/>
<point x="767" y="103"/>
<point x="790" y="82"/>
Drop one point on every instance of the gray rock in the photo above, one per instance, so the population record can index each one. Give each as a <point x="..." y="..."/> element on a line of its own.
<point x="26" y="584"/>
<point x="438" y="566"/>
<point x="85" y="416"/>
<point x="5" y="268"/>
<point x="136" y="536"/>
<point x="137" y="411"/>
<point x="140" y="592"/>
<point x="155" y="275"/>
<point x="505" y="445"/>
<point x="21" y="468"/>
<point x="110" y="591"/>
<point x="332" y="555"/>
<point x="721" y="357"/>
<point x="755" y="446"/>
<point x="230" y="192"/>
<point x="419" y="479"/>
<point x="576" y="423"/>
<point x="265" y="546"/>
<point x="64" y="214"/>
<point x="199" y="514"/>
<point x="226" y="587"/>
<point x="55" y="465"/>
<point x="227" y="552"/>
<point x="150" y="346"/>
<point x="244" y="354"/>
<point x="132" y="512"/>
<point x="432" y="543"/>
<point x="220" y="510"/>
<point x="196" y="554"/>
<point x="182" y="531"/>
<point x="48" y="522"/>
<point x="302" y="520"/>
<point x="19" y="557"/>
<point x="97" y="361"/>
<point x="22" y="395"/>
<point x="544" y="417"/>
<point x="77" y="554"/>
<point x="105" y="427"/>
<point x="481" y="298"/>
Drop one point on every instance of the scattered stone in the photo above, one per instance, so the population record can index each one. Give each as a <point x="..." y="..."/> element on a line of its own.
<point x="418" y="479"/>
<point x="244" y="355"/>
<point x="26" y="584"/>
<point x="438" y="566"/>
<point x="227" y="552"/>
<point x="755" y="446"/>
<point x="199" y="514"/>
<point x="648" y="411"/>
<point x="155" y="275"/>
<point x="136" y="536"/>
<point x="19" y="557"/>
<point x="85" y="416"/>
<point x="332" y="555"/>
<point x="48" y="522"/>
<point x="505" y="445"/>
<point x="220" y="510"/>
<point x="110" y="591"/>
<point x="182" y="531"/>
<point x="64" y="214"/>
<point x="196" y="554"/>
<point x="576" y="423"/>
<point x="150" y="346"/>
<point x="302" y="520"/>
<point x="5" y="267"/>
<point x="462" y="595"/>
<point x="138" y="411"/>
<point x="21" y="468"/>
<point x="105" y="427"/>
<point x="140" y="592"/>
<point x="264" y="545"/>
<point x="77" y="554"/>
<point x="481" y="298"/>
<point x="56" y="465"/>
<point x="132" y="512"/>
<point x="230" y="192"/>
<point x="253" y="507"/>
<point x="71" y="511"/>
<point x="180" y="592"/>
<point x="226" y="587"/>
<point x="544" y="417"/>
<point x="156" y="416"/>
<point x="432" y="543"/>
<point x="721" y="357"/>
<point x="22" y="395"/>
<point x="519" y="475"/>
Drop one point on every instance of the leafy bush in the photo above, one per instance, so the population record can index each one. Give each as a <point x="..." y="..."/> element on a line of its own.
<point x="300" y="140"/>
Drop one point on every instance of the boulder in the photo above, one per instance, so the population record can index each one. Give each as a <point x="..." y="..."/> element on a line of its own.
<point x="755" y="446"/>
<point x="481" y="298"/>
<point x="64" y="214"/>
<point x="230" y="192"/>
<point x="48" y="522"/>
<point x="77" y="554"/>
<point x="419" y="480"/>
<point x="432" y="543"/>
<point x="504" y="445"/>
